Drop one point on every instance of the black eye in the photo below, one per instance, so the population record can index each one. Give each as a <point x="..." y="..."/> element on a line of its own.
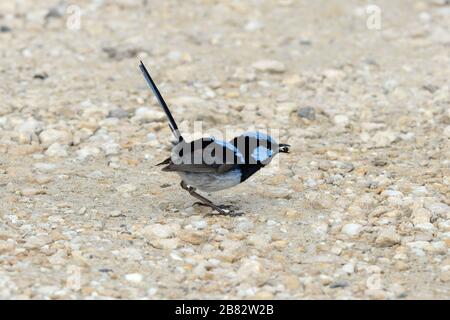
<point x="284" y="148"/>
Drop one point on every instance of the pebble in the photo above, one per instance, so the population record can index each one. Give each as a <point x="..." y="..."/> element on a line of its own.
<point x="82" y="135"/>
<point x="87" y="152"/>
<point x="388" y="237"/>
<point x="244" y="225"/>
<point x="29" y="126"/>
<point x="341" y="120"/>
<point x="165" y="244"/>
<point x="249" y="269"/>
<point x="31" y="191"/>
<point x="439" y="247"/>
<point x="339" y="284"/>
<point x="446" y="131"/>
<point x="134" y="277"/>
<point x="421" y="216"/>
<point x="144" y="114"/>
<point x="110" y="148"/>
<point x="57" y="150"/>
<point x="258" y="240"/>
<point x="334" y="74"/>
<point x="438" y="209"/>
<point x="384" y="138"/>
<point x="162" y="231"/>
<point x="253" y="25"/>
<point x="352" y="229"/>
<point x="422" y="245"/>
<point x="199" y="224"/>
<point x="45" y="167"/>
<point x="5" y="29"/>
<point x="50" y="136"/>
<point x="348" y="268"/>
<point x="307" y="113"/>
<point x="118" y="113"/>
<point x="193" y="237"/>
<point x="270" y="66"/>
<point x="36" y="242"/>
<point x="115" y="213"/>
<point x="126" y="188"/>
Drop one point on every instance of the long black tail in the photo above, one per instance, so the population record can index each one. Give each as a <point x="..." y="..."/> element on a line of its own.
<point x="172" y="124"/>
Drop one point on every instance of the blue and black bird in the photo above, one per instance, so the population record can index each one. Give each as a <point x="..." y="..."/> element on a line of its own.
<point x="208" y="164"/>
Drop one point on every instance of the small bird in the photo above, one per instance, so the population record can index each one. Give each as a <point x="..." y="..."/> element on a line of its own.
<point x="209" y="164"/>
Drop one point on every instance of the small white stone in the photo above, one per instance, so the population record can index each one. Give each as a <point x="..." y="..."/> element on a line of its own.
<point x="30" y="191"/>
<point x="110" y="148"/>
<point x="134" y="277"/>
<point x="126" y="188"/>
<point x="395" y="201"/>
<point x="424" y="226"/>
<point x="253" y="25"/>
<point x="144" y="114"/>
<point x="45" y="167"/>
<point x="81" y="135"/>
<point x="348" y="268"/>
<point x="31" y="125"/>
<point x="420" y="191"/>
<point x="447" y="132"/>
<point x="439" y="247"/>
<point x="391" y="193"/>
<point x="422" y="245"/>
<point x="175" y="256"/>
<point x="115" y="213"/>
<point x="57" y="150"/>
<point x="439" y="209"/>
<point x="421" y="216"/>
<point x="384" y="138"/>
<point x="258" y="240"/>
<point x="388" y="237"/>
<point x="244" y="225"/>
<point x="341" y="120"/>
<point x="424" y="17"/>
<point x="50" y="136"/>
<point x="161" y="231"/>
<point x="87" y="152"/>
<point x="334" y="74"/>
<point x="352" y="229"/>
<point x="199" y="224"/>
<point x="271" y="66"/>
<point x="174" y="55"/>
<point x="320" y="228"/>
<point x="249" y="268"/>
<point x="390" y="85"/>
<point x="271" y="223"/>
<point x="152" y="291"/>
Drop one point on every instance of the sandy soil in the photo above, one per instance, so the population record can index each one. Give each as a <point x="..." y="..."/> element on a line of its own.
<point x="360" y="208"/>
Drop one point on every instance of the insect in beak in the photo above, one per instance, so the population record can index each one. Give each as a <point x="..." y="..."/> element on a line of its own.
<point x="283" y="148"/>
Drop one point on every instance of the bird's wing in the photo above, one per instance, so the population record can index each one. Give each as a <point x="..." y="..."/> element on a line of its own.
<point x="215" y="164"/>
<point x="226" y="167"/>
<point x="205" y="168"/>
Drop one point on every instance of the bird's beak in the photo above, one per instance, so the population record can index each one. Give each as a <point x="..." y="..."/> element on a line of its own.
<point x="283" y="148"/>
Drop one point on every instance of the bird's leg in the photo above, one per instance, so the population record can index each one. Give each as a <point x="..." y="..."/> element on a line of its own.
<point x="205" y="202"/>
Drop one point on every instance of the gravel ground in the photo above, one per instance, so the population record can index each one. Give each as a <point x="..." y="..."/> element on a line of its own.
<point x="360" y="208"/>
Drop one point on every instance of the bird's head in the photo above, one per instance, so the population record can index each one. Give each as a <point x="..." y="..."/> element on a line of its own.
<point x="258" y="147"/>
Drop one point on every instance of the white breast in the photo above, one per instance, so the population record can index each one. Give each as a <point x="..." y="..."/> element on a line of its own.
<point x="211" y="182"/>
